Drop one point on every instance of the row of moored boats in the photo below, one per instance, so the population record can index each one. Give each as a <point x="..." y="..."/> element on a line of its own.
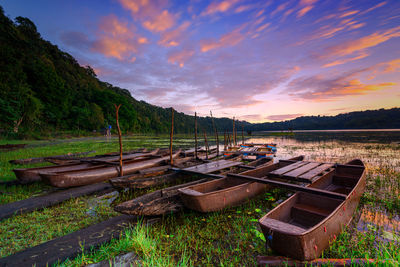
<point x="301" y="227"/>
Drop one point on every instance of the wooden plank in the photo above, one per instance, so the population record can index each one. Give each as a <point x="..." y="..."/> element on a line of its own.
<point x="35" y="203"/>
<point x="314" y="172"/>
<point x="283" y="227"/>
<point x="213" y="166"/>
<point x="241" y="152"/>
<point x="303" y="169"/>
<point x="294" y="187"/>
<point x="289" y="168"/>
<point x="69" y="246"/>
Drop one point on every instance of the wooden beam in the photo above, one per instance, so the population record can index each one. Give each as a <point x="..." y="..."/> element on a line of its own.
<point x="294" y="187"/>
<point x="195" y="135"/>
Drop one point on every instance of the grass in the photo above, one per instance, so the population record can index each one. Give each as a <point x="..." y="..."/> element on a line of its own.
<point x="227" y="238"/>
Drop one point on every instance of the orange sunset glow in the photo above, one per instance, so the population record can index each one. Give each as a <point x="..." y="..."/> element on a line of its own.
<point x="255" y="60"/>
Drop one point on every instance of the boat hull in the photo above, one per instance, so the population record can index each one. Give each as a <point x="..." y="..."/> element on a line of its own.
<point x="95" y="175"/>
<point x="309" y="243"/>
<point x="30" y="175"/>
<point x="225" y="192"/>
<point x="220" y="199"/>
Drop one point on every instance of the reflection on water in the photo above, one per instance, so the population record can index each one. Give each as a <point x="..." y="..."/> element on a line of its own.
<point x="364" y="136"/>
<point x="379" y="151"/>
<point x="386" y="228"/>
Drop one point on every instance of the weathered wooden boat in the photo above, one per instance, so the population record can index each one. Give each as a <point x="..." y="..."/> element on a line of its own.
<point x="100" y="173"/>
<point x="12" y="146"/>
<point x="302" y="226"/>
<point x="56" y="158"/>
<point x="153" y="176"/>
<point x="160" y="202"/>
<point x="28" y="175"/>
<point x="252" y="151"/>
<point x="228" y="191"/>
<point x="167" y="175"/>
<point x="167" y="200"/>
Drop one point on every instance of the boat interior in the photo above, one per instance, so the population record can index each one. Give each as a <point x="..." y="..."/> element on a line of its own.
<point x="215" y="185"/>
<point x="304" y="210"/>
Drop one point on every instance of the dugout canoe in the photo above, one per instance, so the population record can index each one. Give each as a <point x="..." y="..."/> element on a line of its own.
<point x="29" y="175"/>
<point x="302" y="226"/>
<point x="100" y="173"/>
<point x="228" y="191"/>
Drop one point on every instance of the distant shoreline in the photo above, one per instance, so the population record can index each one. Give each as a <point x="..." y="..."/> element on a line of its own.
<point x="341" y="130"/>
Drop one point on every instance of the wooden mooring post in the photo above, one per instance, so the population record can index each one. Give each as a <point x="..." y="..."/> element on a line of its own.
<point x="242" y="135"/>
<point x="215" y="132"/>
<point x="206" y="144"/>
<point x="233" y="132"/>
<point x="171" y="137"/>
<point x="225" y="140"/>
<point x="121" y="172"/>
<point x="195" y="135"/>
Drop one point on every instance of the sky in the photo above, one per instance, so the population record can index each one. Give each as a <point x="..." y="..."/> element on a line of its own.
<point x="259" y="61"/>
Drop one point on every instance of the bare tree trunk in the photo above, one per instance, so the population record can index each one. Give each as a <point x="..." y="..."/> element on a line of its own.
<point x="233" y="132"/>
<point x="242" y="135"/>
<point x="121" y="172"/>
<point x="17" y="123"/>
<point x="225" y="141"/>
<point x="216" y="133"/>
<point x="171" y="136"/>
<point x="195" y="135"/>
<point x="206" y="144"/>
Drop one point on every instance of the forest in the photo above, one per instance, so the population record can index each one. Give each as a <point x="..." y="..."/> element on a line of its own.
<point x="43" y="90"/>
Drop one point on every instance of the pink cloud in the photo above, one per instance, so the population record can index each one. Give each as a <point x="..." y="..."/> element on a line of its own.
<point x="152" y="14"/>
<point x="282" y="117"/>
<point x="373" y="8"/>
<point x="117" y="39"/>
<point x="306" y="6"/>
<point x="161" y="22"/>
<point x="358" y="49"/>
<point x="363" y="43"/>
<point x="280" y="8"/>
<point x="345" y="60"/>
<point x="219" y="7"/>
<point x="174" y="37"/>
<point x="180" y="57"/>
<point x="229" y="39"/>
<point x="318" y="88"/>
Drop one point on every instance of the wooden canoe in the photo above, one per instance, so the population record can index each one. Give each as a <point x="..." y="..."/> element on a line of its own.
<point x="302" y="226"/>
<point x="163" y="201"/>
<point x="160" y="202"/>
<point x="28" y="175"/>
<point x="228" y="191"/>
<point x="100" y="173"/>
<point x="152" y="178"/>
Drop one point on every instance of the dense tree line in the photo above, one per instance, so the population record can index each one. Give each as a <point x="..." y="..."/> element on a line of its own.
<point x="44" y="89"/>
<point x="370" y="119"/>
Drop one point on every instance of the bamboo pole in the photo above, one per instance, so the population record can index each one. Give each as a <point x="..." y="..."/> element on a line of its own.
<point x="215" y="132"/>
<point x="225" y="140"/>
<point x="233" y="131"/>
<point x="242" y="135"/>
<point x="195" y="135"/>
<point x="121" y="172"/>
<point x="206" y="144"/>
<point x="171" y="136"/>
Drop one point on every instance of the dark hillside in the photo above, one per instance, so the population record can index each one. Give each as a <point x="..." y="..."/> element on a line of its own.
<point x="43" y="89"/>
